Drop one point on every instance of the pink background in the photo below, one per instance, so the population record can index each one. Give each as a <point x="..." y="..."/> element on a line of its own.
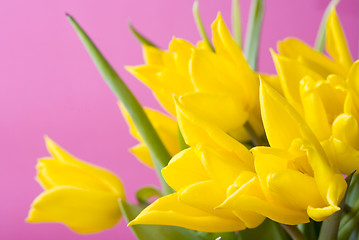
<point x="50" y="86"/>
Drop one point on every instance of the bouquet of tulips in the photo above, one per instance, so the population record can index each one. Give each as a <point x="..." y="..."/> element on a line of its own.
<point x="240" y="154"/>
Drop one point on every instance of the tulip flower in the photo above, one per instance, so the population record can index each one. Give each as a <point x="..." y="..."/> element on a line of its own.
<point x="201" y="176"/>
<point x="82" y="196"/>
<point x="294" y="174"/>
<point x="205" y="78"/>
<point x="323" y="91"/>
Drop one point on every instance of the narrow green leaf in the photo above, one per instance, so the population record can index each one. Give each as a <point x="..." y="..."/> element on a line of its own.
<point x="143" y="40"/>
<point x="330" y="226"/>
<point x="320" y="40"/>
<point x="236" y="22"/>
<point x="197" y="19"/>
<point x="154" y="232"/>
<point x="253" y="33"/>
<point x="159" y="154"/>
<point x="146" y="193"/>
<point x="268" y="230"/>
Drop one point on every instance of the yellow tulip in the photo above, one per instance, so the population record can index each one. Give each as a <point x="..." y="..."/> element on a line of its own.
<point x="212" y="84"/>
<point x="324" y="92"/>
<point x="165" y="127"/>
<point x="82" y="196"/>
<point x="201" y="176"/>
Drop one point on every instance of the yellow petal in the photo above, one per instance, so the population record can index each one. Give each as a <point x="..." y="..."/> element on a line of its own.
<point x="341" y="155"/>
<point x="314" y="111"/>
<point x="102" y="176"/>
<point x="290" y="73"/>
<point x="206" y="196"/>
<point x="81" y="210"/>
<point x="294" y="189"/>
<point x="320" y="214"/>
<point x="152" y="55"/>
<point x="281" y="121"/>
<point x="244" y="200"/>
<point x="274" y="81"/>
<point x="221" y="167"/>
<point x="195" y="131"/>
<point x="184" y="169"/>
<point x="169" y="210"/>
<point x="336" y="43"/>
<point x="221" y="110"/>
<point x="353" y="78"/>
<point x="226" y="46"/>
<point x="143" y="154"/>
<point x="330" y="182"/>
<point x="346" y="129"/>
<point x="182" y="51"/>
<point x="312" y="59"/>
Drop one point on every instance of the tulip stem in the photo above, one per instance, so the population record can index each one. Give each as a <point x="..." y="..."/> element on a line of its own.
<point x="256" y="140"/>
<point x="199" y="24"/>
<point x="293" y="231"/>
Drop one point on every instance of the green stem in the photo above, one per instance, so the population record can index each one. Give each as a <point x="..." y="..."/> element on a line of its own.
<point x="253" y="33"/>
<point x="159" y="154"/>
<point x="320" y="39"/>
<point x="236" y="22"/>
<point x="294" y="232"/>
<point x="199" y="24"/>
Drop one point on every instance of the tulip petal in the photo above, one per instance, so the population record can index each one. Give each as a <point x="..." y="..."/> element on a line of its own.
<point x="169" y="210"/>
<point x="107" y="178"/>
<point x="206" y="196"/>
<point x="152" y="55"/>
<point x="312" y="59"/>
<point x="243" y="200"/>
<point x="81" y="210"/>
<point x="314" y="111"/>
<point x="336" y="43"/>
<point x="221" y="167"/>
<point x="290" y="73"/>
<point x="346" y="129"/>
<point x="195" y="131"/>
<point x="330" y="182"/>
<point x="282" y="122"/>
<point x="143" y="154"/>
<point x="341" y="155"/>
<point x="223" y="112"/>
<point x="184" y="169"/>
<point x="320" y="214"/>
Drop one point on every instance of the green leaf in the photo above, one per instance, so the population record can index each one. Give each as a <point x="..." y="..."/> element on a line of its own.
<point x="320" y="40"/>
<point x="330" y="226"/>
<point x="146" y="193"/>
<point x="197" y="19"/>
<point x="268" y="230"/>
<point x="236" y="22"/>
<point x="253" y="33"/>
<point x="154" y="232"/>
<point x="143" y="40"/>
<point x="159" y="154"/>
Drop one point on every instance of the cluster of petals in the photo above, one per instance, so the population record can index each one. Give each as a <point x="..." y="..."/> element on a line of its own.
<point x="82" y="196"/>
<point x="309" y="115"/>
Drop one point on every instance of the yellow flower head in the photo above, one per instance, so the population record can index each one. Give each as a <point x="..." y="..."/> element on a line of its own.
<point x="323" y="91"/>
<point x="80" y="195"/>
<point x="201" y="176"/>
<point x="212" y="84"/>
